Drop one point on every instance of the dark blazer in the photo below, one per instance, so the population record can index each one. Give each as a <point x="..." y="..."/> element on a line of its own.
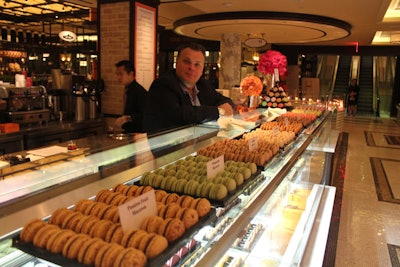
<point x="135" y="102"/>
<point x="169" y="107"/>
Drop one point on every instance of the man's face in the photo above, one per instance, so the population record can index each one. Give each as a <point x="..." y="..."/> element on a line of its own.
<point x="123" y="77"/>
<point x="189" y="66"/>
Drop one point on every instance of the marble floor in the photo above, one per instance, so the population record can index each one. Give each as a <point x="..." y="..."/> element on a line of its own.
<point x="368" y="210"/>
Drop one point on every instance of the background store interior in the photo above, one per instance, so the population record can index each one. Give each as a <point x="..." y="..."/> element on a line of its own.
<point x="330" y="73"/>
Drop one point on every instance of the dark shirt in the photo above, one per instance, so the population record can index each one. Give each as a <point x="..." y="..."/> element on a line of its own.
<point x="169" y="106"/>
<point x="353" y="92"/>
<point x="135" y="101"/>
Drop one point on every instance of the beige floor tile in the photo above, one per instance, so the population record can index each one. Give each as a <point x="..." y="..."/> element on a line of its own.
<point x="368" y="225"/>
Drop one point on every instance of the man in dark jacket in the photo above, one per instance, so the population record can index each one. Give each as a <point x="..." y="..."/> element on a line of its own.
<point x="135" y="98"/>
<point x="182" y="97"/>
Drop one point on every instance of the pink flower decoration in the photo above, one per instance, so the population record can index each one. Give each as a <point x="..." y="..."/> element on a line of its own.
<point x="271" y="60"/>
<point x="251" y="86"/>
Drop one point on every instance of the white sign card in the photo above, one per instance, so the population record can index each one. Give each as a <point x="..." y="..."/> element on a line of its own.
<point x="253" y="144"/>
<point x="145" y="44"/>
<point x="133" y="212"/>
<point x="215" y="166"/>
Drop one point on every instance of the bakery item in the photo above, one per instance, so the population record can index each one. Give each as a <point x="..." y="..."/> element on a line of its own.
<point x="100" y="228"/>
<point x="136" y="238"/>
<point x="202" y="206"/>
<point x="130" y="257"/>
<point x="73" y="245"/>
<point x="188" y="216"/>
<point x="110" y="255"/>
<point x="180" y="185"/>
<point x="172" y="197"/>
<point x="69" y="243"/>
<point x="89" y="208"/>
<point x="169" y="210"/>
<point x="117" y="235"/>
<point x="218" y="192"/>
<point x="88" y="224"/>
<point x="153" y="245"/>
<point x="88" y="254"/>
<point x="118" y="199"/>
<point x="30" y="229"/>
<point x="172" y="229"/>
<point x="160" y="194"/>
<point x="81" y="222"/>
<point x="205" y="191"/>
<point x="57" y="241"/>
<point x="185" y="201"/>
<point x="100" y="254"/>
<point x="81" y="205"/>
<point x="84" y="248"/>
<point x="127" y="236"/>
<point x="69" y="218"/>
<point x="112" y="214"/>
<point x="102" y="211"/>
<point x="58" y="216"/>
<point x="111" y="232"/>
<point x="131" y="191"/>
<point x="109" y="198"/>
<point x="43" y="235"/>
<point x="101" y="195"/>
<point x="151" y="224"/>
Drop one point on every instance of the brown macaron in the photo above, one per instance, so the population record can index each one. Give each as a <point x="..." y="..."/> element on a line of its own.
<point x="30" y="229"/>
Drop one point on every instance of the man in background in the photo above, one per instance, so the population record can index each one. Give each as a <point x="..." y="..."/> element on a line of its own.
<point x="135" y="98"/>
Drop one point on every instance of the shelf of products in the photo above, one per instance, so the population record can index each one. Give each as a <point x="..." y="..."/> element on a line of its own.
<point x="293" y="177"/>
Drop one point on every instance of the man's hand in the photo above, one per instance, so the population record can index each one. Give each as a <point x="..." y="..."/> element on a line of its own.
<point x="227" y="108"/>
<point x="121" y="120"/>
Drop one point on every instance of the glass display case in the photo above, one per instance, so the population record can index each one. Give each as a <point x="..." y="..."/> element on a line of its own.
<point x="278" y="222"/>
<point x="285" y="221"/>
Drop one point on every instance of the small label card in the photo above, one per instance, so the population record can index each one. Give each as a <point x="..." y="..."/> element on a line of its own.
<point x="215" y="166"/>
<point x="253" y="144"/>
<point x="276" y="74"/>
<point x="133" y="212"/>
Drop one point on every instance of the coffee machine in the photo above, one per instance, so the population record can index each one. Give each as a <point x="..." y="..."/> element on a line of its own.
<point x="25" y="105"/>
<point x="86" y="95"/>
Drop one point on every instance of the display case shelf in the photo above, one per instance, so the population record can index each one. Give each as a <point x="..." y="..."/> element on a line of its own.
<point x="297" y="167"/>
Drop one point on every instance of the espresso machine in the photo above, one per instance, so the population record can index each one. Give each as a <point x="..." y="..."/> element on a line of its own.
<point x="25" y="105"/>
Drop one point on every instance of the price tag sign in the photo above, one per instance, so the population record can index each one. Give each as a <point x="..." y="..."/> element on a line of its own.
<point x="276" y="74"/>
<point x="215" y="166"/>
<point x="253" y="144"/>
<point x="133" y="212"/>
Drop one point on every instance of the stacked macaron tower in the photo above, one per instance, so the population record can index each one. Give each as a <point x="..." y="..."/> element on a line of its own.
<point x="275" y="97"/>
<point x="91" y="234"/>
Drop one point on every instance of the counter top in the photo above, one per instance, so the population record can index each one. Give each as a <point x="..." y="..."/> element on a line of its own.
<point x="54" y="126"/>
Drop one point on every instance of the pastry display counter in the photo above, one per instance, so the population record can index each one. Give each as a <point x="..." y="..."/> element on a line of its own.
<point x="55" y="169"/>
<point x="297" y="174"/>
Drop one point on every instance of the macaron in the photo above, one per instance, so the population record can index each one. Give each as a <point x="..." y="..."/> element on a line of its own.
<point x="230" y="184"/>
<point x="218" y="192"/>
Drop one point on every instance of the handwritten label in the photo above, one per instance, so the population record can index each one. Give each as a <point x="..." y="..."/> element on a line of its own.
<point x="253" y="144"/>
<point x="133" y="212"/>
<point x="215" y="166"/>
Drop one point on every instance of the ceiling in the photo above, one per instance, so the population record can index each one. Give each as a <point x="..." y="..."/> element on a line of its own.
<point x="306" y="22"/>
<point x="311" y="22"/>
<point x="48" y="16"/>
